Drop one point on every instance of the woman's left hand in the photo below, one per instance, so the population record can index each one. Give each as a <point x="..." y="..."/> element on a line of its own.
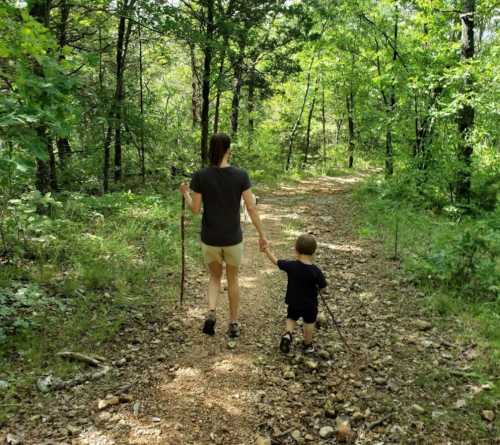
<point x="184" y="189"/>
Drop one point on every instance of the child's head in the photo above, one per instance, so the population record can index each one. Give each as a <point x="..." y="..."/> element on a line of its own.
<point x="305" y="245"/>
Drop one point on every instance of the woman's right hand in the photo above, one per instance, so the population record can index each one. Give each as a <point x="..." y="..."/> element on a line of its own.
<point x="184" y="189"/>
<point x="263" y="244"/>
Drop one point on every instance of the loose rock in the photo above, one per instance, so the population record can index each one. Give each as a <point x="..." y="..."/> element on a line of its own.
<point x="488" y="415"/>
<point x="326" y="432"/>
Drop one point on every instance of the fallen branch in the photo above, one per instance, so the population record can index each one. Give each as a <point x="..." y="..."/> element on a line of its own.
<point x="92" y="361"/>
<point x="378" y="422"/>
<point x="51" y="383"/>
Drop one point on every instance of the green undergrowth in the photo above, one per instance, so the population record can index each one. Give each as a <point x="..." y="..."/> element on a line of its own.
<point x="452" y="256"/>
<point x="76" y="269"/>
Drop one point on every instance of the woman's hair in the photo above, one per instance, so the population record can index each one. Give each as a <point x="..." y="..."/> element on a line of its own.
<point x="219" y="145"/>
<point x="305" y="244"/>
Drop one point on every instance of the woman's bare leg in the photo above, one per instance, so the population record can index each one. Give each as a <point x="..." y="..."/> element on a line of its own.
<point x="215" y="271"/>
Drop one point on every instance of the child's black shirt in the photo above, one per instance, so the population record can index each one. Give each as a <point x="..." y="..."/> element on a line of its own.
<point x="303" y="283"/>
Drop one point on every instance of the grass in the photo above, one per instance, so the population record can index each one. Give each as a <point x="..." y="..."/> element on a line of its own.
<point x="432" y="249"/>
<point x="105" y="263"/>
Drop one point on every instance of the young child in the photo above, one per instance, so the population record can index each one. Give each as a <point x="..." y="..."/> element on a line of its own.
<point x="304" y="280"/>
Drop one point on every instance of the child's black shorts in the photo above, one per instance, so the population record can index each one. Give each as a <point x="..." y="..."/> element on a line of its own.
<point x="308" y="313"/>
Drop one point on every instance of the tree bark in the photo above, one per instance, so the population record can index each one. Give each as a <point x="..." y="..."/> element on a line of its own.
<point x="124" y="31"/>
<point x="466" y="112"/>
<point x="299" y="118"/>
<point x="235" y="104"/>
<point x="219" y="91"/>
<point x="141" y="103"/>
<point x="350" y="122"/>
<point x="195" y="85"/>
<point x="251" y="105"/>
<point x="323" y="122"/>
<point x="207" y="52"/>
<point x="46" y="175"/>
<point x="309" y="121"/>
<point x="63" y="146"/>
<point x="389" y="155"/>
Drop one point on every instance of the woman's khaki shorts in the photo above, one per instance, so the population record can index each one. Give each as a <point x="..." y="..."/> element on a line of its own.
<point x="231" y="255"/>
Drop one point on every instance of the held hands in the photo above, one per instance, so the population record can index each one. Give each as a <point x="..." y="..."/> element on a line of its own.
<point x="263" y="244"/>
<point x="184" y="189"/>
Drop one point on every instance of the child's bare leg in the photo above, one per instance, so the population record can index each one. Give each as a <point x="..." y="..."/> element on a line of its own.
<point x="308" y="333"/>
<point x="290" y="325"/>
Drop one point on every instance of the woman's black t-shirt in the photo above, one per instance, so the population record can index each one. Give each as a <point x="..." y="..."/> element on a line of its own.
<point x="221" y="189"/>
<point x="304" y="280"/>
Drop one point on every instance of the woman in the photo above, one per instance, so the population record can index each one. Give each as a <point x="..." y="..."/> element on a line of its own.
<point x="220" y="187"/>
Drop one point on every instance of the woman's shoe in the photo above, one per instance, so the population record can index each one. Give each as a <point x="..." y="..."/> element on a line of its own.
<point x="285" y="343"/>
<point x="209" y="325"/>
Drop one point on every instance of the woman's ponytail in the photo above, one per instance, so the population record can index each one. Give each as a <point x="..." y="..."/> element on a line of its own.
<point x="219" y="145"/>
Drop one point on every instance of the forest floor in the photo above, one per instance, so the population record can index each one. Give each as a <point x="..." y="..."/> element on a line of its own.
<point x="408" y="378"/>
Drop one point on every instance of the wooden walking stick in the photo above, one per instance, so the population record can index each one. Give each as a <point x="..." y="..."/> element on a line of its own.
<point x="183" y="249"/>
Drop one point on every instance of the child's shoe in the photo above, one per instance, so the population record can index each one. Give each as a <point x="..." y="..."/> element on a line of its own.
<point x="209" y="325"/>
<point x="308" y="349"/>
<point x="285" y="343"/>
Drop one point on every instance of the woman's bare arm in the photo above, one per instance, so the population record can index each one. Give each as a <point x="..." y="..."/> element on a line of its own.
<point x="250" y="204"/>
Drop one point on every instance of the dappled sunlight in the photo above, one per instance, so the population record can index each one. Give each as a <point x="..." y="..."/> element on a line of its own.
<point x="196" y="312"/>
<point x="340" y="247"/>
<point x="247" y="282"/>
<point x="93" y="436"/>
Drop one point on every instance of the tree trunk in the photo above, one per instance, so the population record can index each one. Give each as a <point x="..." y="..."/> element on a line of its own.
<point x="141" y="103"/>
<point x="299" y="118"/>
<point x="323" y="123"/>
<point x="124" y="30"/>
<point x="350" y="121"/>
<point x="338" y="131"/>
<point x="195" y="85"/>
<point x="309" y="121"/>
<point x="389" y="156"/>
<point x="466" y="112"/>
<point x="63" y="146"/>
<point x="251" y="106"/>
<point x="46" y="175"/>
<point x="107" y="156"/>
<point x="219" y="91"/>
<point x="235" y="104"/>
<point x="207" y="52"/>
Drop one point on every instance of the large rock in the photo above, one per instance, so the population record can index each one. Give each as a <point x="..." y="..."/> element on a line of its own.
<point x="326" y="432"/>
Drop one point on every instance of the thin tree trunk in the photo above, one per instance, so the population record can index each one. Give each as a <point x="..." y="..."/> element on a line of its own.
<point x="206" y="82"/>
<point x="323" y="123"/>
<point x="235" y="104"/>
<point x="63" y="146"/>
<point x="195" y="85"/>
<point x="251" y="105"/>
<point x="141" y="100"/>
<point x="350" y="122"/>
<point x="299" y="118"/>
<point x="389" y="158"/>
<point x="124" y="32"/>
<point x="466" y="112"/>
<point x="107" y="156"/>
<point x="46" y="176"/>
<point x="338" y="131"/>
<point x="219" y="91"/>
<point x="309" y="120"/>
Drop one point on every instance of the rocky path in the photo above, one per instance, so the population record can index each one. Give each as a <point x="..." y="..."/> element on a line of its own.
<point x="405" y="379"/>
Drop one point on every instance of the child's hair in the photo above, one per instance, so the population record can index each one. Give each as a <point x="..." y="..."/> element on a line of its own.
<point x="305" y="244"/>
<point x="219" y="145"/>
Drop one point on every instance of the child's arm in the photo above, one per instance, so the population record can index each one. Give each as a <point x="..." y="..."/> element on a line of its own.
<point x="270" y="255"/>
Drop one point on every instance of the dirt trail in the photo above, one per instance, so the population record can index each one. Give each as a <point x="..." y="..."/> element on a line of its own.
<point x="400" y="386"/>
